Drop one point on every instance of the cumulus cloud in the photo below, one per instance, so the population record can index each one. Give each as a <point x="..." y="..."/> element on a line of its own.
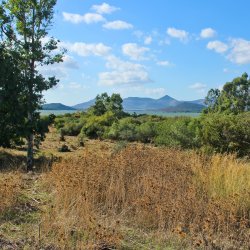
<point x="198" y="87"/>
<point x="240" y="52"/>
<point x="87" y="49"/>
<point x="134" y="51"/>
<point x="117" y="25"/>
<point x="217" y="46"/>
<point x="104" y="8"/>
<point x="148" y="40"/>
<point x="182" y="35"/>
<point x="207" y="33"/>
<point x="86" y="18"/>
<point x="123" y="73"/>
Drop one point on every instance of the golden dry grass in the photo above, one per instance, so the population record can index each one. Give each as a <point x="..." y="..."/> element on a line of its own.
<point x="10" y="186"/>
<point x="97" y="197"/>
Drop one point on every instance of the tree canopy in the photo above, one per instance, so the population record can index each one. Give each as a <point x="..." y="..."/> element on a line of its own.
<point x="233" y="98"/>
<point x="24" y="28"/>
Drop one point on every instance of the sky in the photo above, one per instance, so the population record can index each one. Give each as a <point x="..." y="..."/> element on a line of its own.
<point x="148" y="48"/>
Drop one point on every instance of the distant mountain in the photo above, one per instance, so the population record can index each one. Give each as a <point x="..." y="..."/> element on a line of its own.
<point x="84" y="105"/>
<point x="56" y="106"/>
<point x="185" y="107"/>
<point x="166" y="103"/>
<point x="199" y="101"/>
<point x="137" y="103"/>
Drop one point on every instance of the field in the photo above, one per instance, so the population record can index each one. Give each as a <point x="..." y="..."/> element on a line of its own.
<point x="107" y="195"/>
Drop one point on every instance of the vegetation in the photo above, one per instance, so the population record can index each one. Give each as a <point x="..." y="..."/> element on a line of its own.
<point x="215" y="130"/>
<point x="233" y="98"/>
<point x="24" y="31"/>
<point x="142" y="191"/>
<point x="126" y="196"/>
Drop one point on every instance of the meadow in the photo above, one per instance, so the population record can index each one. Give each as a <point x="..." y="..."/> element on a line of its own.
<point x="114" y="195"/>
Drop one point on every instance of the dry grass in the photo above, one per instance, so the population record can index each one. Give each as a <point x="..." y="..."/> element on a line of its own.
<point x="99" y="197"/>
<point x="10" y="186"/>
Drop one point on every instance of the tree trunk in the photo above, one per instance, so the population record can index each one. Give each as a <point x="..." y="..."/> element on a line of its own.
<point x="30" y="161"/>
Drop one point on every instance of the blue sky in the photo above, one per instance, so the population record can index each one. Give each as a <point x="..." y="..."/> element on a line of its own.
<point x="148" y="48"/>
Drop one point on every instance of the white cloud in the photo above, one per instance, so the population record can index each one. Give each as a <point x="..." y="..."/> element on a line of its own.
<point x="182" y="35"/>
<point x="86" y="18"/>
<point x="117" y="25"/>
<point x="104" y="8"/>
<point x="141" y="91"/>
<point x="88" y="49"/>
<point x="134" y="51"/>
<point x="53" y="70"/>
<point x="198" y="87"/>
<point x="164" y="63"/>
<point x="69" y="62"/>
<point x="123" y="73"/>
<point x="75" y="85"/>
<point x="240" y="52"/>
<point x="217" y="46"/>
<point x="156" y="92"/>
<point x="208" y="33"/>
<point x="59" y="70"/>
<point x="148" y="40"/>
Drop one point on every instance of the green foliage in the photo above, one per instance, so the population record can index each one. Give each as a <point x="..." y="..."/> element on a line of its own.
<point x="105" y="103"/>
<point x="96" y="126"/>
<point x="24" y="28"/>
<point x="226" y="133"/>
<point x="124" y="129"/>
<point x="178" y="132"/>
<point x="233" y="98"/>
<point x="12" y="109"/>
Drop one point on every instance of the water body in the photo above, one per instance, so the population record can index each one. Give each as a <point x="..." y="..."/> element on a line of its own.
<point x="149" y="112"/>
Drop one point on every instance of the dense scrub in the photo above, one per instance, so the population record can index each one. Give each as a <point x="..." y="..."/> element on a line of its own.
<point x="213" y="132"/>
<point x="174" y="195"/>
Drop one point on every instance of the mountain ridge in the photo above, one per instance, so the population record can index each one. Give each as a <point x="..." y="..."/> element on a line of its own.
<point x="165" y="103"/>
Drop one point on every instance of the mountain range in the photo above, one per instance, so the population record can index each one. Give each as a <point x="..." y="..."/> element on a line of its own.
<point x="166" y="103"/>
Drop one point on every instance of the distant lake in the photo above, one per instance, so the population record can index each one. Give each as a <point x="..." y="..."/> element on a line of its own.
<point x="149" y="112"/>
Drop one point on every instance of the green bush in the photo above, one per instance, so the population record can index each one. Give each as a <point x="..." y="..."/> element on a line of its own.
<point x="96" y="126"/>
<point x="178" y="132"/>
<point x="226" y="133"/>
<point x="124" y="129"/>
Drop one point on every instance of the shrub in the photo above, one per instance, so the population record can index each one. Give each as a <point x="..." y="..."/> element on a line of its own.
<point x="178" y="132"/>
<point x="124" y="129"/>
<point x="226" y="133"/>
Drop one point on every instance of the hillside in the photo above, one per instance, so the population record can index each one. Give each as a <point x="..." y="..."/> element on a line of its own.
<point x="56" y="106"/>
<point x="164" y="103"/>
<point x="185" y="107"/>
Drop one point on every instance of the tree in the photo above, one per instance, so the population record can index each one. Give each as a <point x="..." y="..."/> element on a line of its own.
<point x="211" y="99"/>
<point x="105" y="103"/>
<point x="24" y="28"/>
<point x="233" y="98"/>
<point x="101" y="104"/>
<point x="12" y="111"/>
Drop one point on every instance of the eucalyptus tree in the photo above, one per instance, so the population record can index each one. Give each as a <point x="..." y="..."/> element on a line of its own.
<point x="25" y="26"/>
<point x="233" y="98"/>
